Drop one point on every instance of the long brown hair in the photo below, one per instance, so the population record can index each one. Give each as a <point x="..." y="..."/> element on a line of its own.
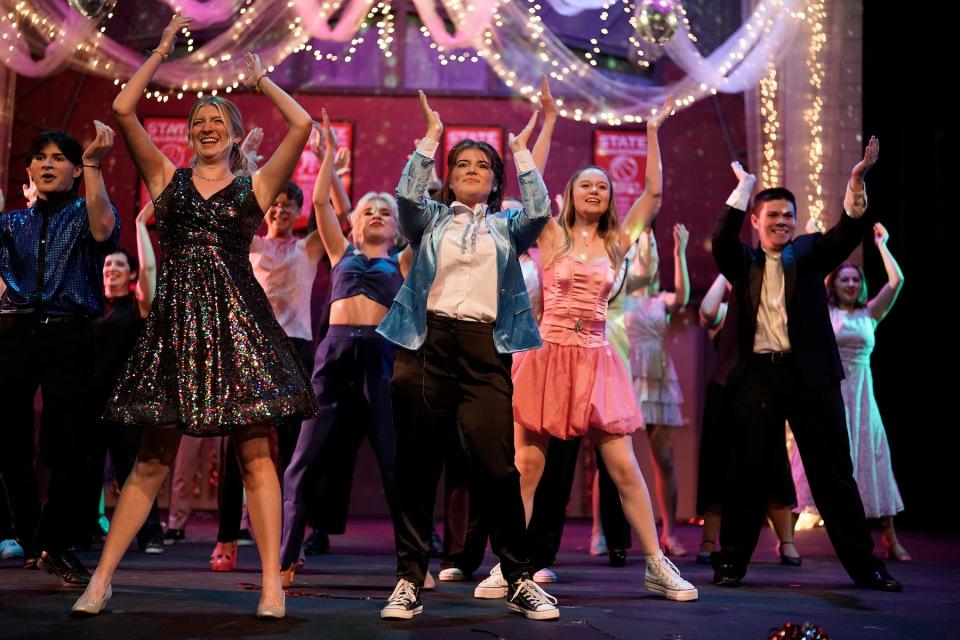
<point x="231" y="115"/>
<point x="495" y="199"/>
<point x="833" y="299"/>
<point x="608" y="228"/>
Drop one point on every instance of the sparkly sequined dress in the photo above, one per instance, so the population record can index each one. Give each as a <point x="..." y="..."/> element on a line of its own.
<point x="211" y="356"/>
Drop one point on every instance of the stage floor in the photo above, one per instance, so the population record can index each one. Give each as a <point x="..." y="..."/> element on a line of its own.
<point x="174" y="596"/>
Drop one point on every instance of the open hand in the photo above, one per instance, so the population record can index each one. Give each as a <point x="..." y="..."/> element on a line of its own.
<point x="870" y="155"/>
<point x="169" y="38"/>
<point x="547" y="105"/>
<point x="431" y="118"/>
<point x="660" y="115"/>
<point x="741" y="173"/>
<point x="251" y="144"/>
<point x="255" y="68"/>
<point x="680" y="238"/>
<point x="519" y="142"/>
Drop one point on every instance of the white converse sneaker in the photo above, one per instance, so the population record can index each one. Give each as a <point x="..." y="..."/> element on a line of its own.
<point x="662" y="576"/>
<point x="452" y="574"/>
<point x="545" y="576"/>
<point x="532" y="601"/>
<point x="403" y="603"/>
<point x="493" y="586"/>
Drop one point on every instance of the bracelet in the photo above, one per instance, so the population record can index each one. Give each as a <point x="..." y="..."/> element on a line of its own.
<point x="257" y="83"/>
<point x="162" y="54"/>
<point x="344" y="171"/>
<point x="92" y="166"/>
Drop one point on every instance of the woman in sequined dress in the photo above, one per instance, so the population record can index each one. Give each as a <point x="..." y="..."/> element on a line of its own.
<point x="212" y="359"/>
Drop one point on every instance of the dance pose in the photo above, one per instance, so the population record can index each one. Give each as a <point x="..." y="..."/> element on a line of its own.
<point x="854" y="320"/>
<point x="50" y="260"/>
<point x="575" y="384"/>
<point x="655" y="383"/>
<point x="778" y="360"/>
<point x="460" y="314"/>
<point x="212" y="359"/>
<point x="351" y="375"/>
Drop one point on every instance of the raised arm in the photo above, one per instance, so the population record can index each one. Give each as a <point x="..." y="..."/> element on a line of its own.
<point x="527" y="224"/>
<point x="834" y="246"/>
<point x="681" y="278"/>
<point x="100" y="212"/>
<point x="154" y="167"/>
<point x="541" y="148"/>
<point x="712" y="302"/>
<point x="883" y="301"/>
<point x="411" y="190"/>
<point x="328" y="228"/>
<point x="275" y="172"/>
<point x="645" y="208"/>
<point x="147" y="278"/>
<point x="341" y="166"/>
<point x="728" y="251"/>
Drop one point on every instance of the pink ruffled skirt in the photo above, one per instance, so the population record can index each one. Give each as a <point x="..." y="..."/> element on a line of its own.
<point x="564" y="390"/>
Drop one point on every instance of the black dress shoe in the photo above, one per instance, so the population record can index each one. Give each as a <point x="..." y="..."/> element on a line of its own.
<point x="65" y="566"/>
<point x="173" y="536"/>
<point x="726" y="573"/>
<point x="879" y="580"/>
<point x="618" y="557"/>
<point x="317" y="544"/>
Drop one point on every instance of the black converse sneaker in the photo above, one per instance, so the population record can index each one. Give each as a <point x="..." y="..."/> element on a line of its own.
<point x="528" y="598"/>
<point x="403" y="603"/>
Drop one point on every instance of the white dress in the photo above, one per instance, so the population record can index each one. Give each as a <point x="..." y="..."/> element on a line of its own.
<point x="869" y="449"/>
<point x="655" y="381"/>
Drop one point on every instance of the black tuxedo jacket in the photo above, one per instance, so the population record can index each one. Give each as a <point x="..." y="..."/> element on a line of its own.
<point x="807" y="260"/>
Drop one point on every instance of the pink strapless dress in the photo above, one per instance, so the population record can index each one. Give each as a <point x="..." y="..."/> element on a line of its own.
<point x="575" y="381"/>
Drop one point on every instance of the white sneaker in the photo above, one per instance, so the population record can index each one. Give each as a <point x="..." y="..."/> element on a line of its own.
<point x="403" y="603"/>
<point x="598" y="544"/>
<point x="429" y="584"/>
<point x="452" y="574"/>
<point x="545" y="576"/>
<point x="10" y="549"/>
<point x="662" y="576"/>
<point x="493" y="586"/>
<point x="533" y="602"/>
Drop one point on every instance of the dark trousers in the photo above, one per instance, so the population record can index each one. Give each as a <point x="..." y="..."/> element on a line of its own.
<point x="456" y="385"/>
<point x="351" y="379"/>
<point x="713" y="460"/>
<point x="552" y="496"/>
<point x="767" y="394"/>
<point x="57" y="357"/>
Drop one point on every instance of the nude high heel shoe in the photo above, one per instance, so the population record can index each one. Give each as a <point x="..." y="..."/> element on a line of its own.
<point x="87" y="606"/>
<point x="273" y="611"/>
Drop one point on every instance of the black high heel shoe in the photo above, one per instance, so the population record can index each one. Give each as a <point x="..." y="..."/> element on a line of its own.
<point x="618" y="558"/>
<point x="790" y="561"/>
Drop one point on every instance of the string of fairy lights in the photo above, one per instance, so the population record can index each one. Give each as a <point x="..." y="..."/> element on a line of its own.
<point x="213" y="69"/>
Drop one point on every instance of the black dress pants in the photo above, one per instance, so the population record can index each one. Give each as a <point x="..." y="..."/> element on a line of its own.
<point x="456" y="384"/>
<point x="768" y="393"/>
<point x="57" y="357"/>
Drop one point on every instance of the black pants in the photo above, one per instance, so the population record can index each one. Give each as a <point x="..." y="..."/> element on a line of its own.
<point x="457" y="385"/>
<point x="767" y="394"/>
<point x="57" y="357"/>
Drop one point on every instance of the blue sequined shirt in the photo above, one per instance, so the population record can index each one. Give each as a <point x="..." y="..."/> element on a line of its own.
<point x="50" y="261"/>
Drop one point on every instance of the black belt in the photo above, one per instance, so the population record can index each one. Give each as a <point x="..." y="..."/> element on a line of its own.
<point x="774" y="357"/>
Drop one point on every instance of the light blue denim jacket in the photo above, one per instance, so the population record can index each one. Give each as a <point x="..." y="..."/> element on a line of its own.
<point x="423" y="222"/>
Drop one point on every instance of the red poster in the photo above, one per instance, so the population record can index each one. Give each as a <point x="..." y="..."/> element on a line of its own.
<point x="452" y="134"/>
<point x="623" y="155"/>
<point x="170" y="136"/>
<point x="305" y="174"/>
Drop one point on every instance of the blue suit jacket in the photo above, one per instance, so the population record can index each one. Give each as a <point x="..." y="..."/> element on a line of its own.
<point x="423" y="222"/>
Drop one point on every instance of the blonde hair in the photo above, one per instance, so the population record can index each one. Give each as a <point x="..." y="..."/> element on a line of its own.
<point x="364" y="200"/>
<point x="608" y="229"/>
<point x="239" y="164"/>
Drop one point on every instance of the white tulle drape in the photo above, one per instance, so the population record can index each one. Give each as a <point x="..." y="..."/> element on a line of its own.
<point x="508" y="33"/>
